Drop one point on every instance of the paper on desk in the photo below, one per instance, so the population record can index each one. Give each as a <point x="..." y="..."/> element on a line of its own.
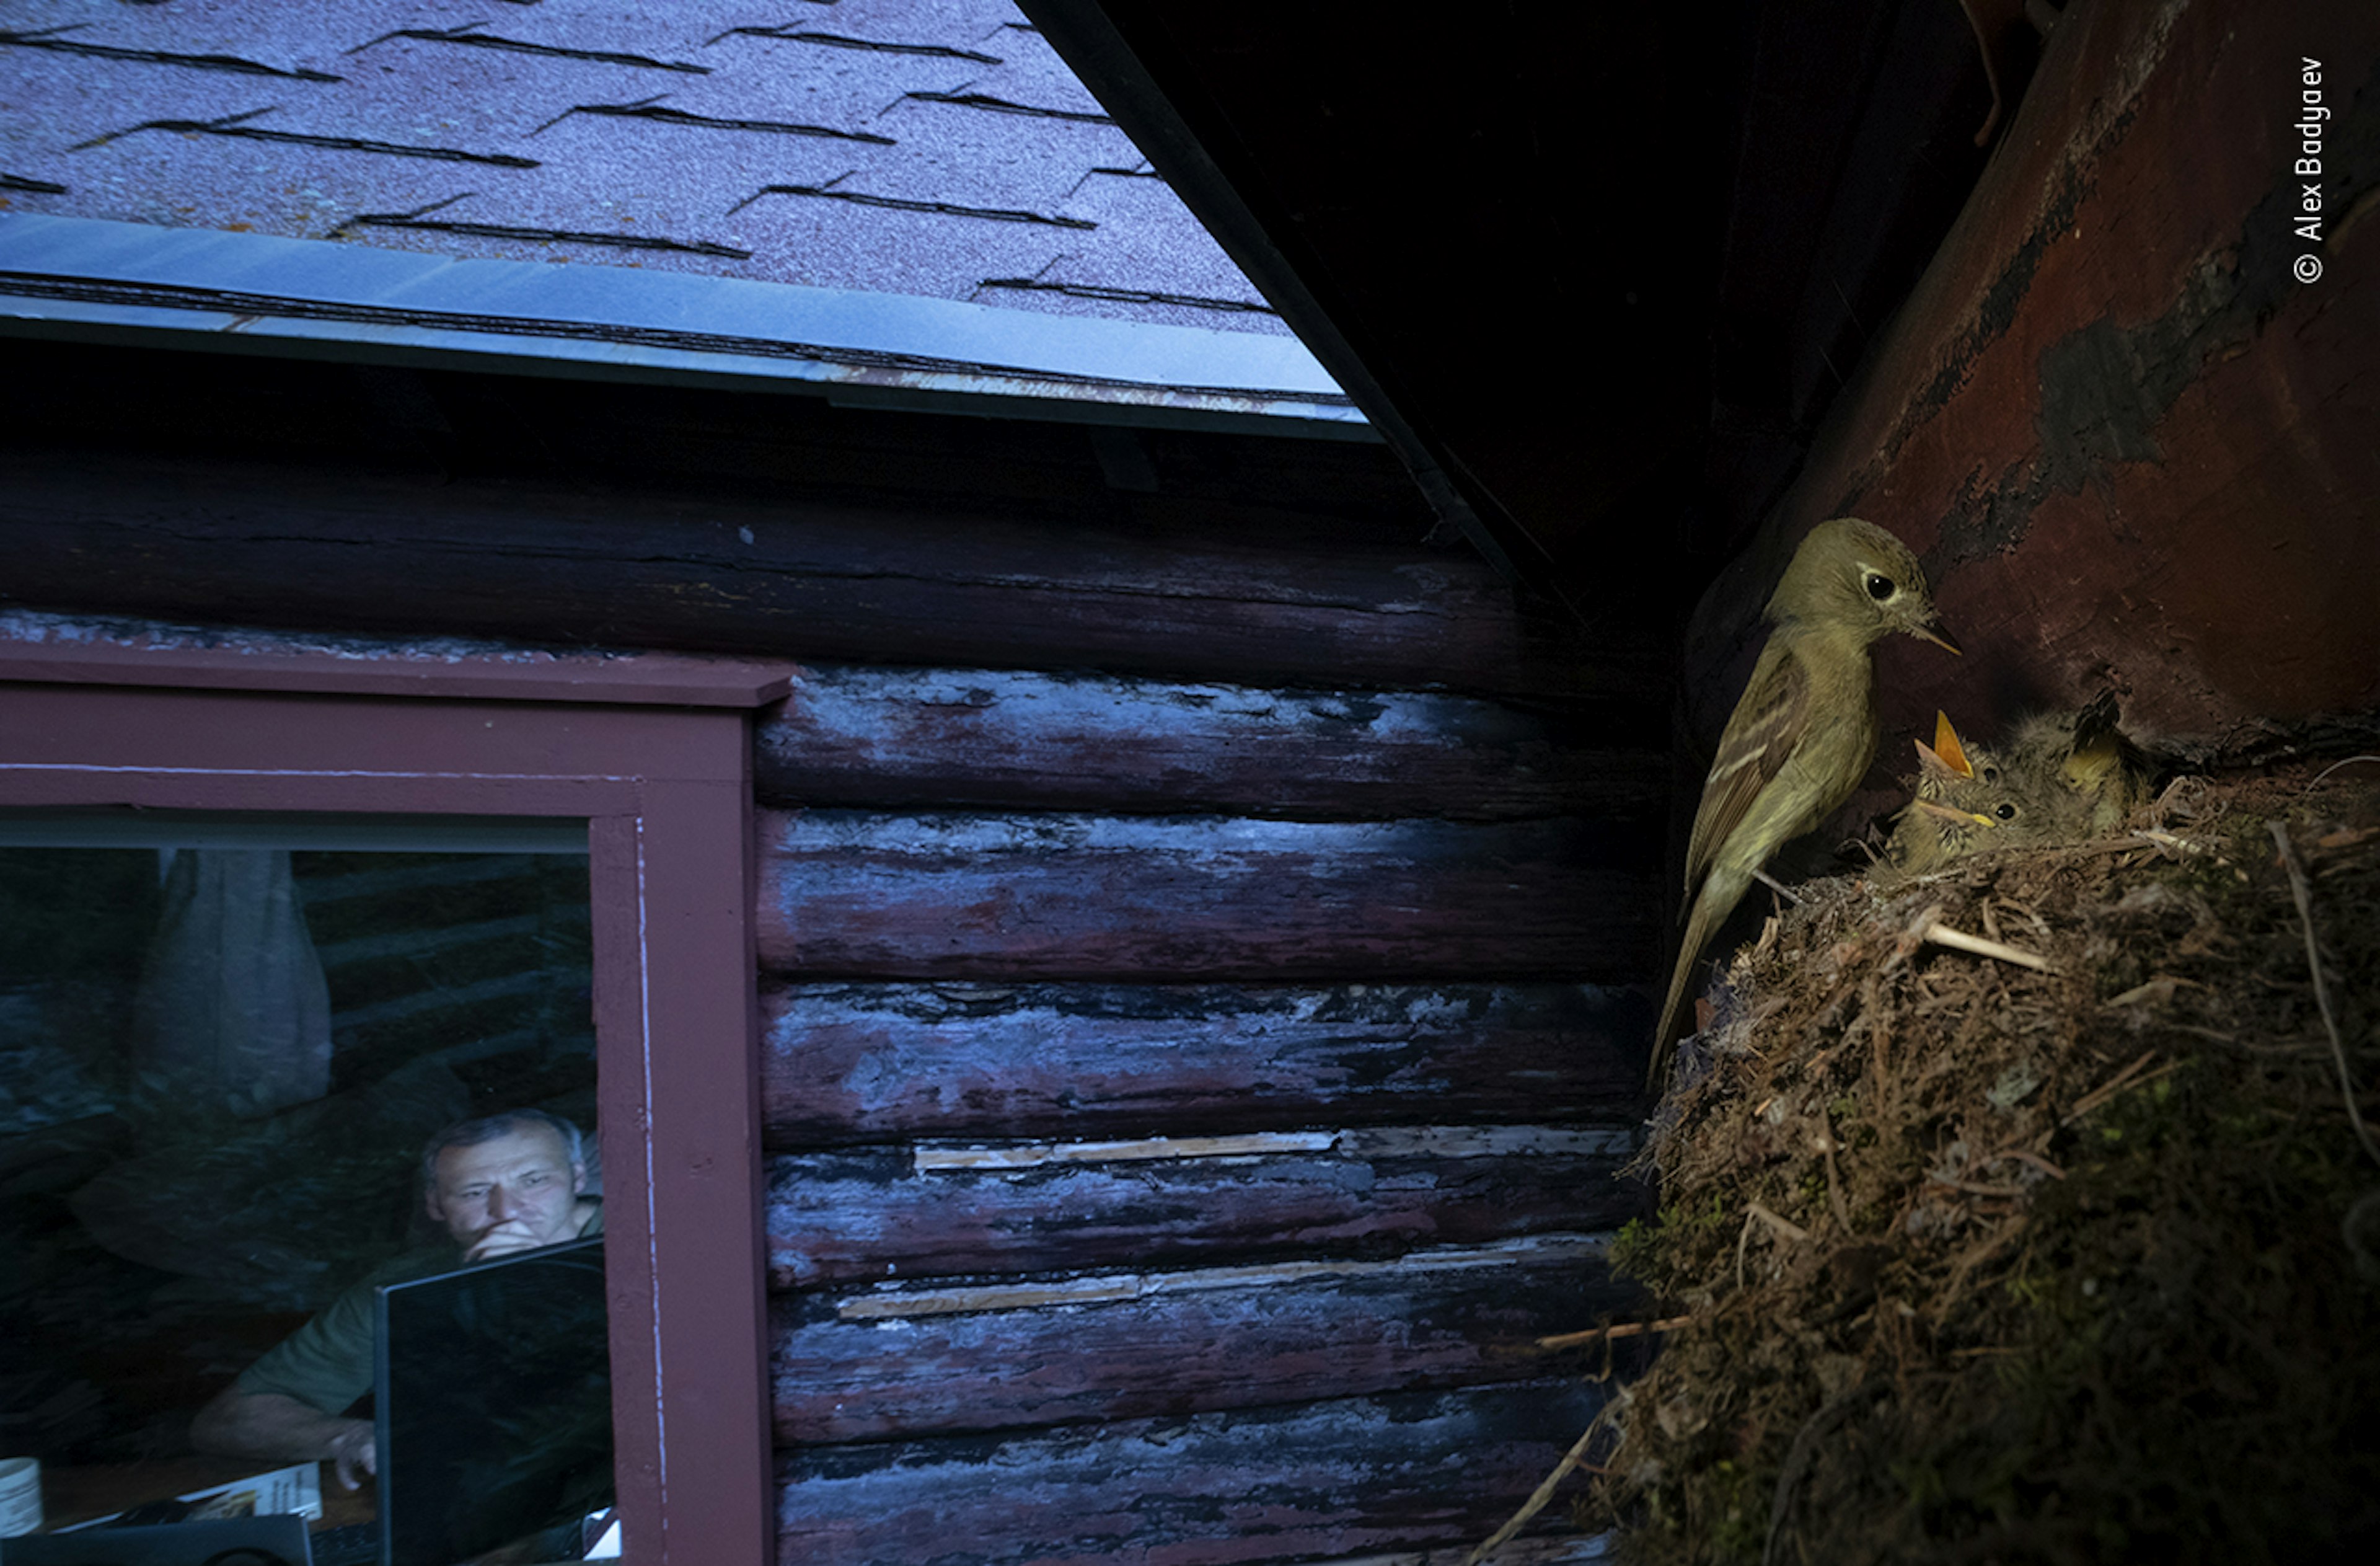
<point x="298" y="1488"/>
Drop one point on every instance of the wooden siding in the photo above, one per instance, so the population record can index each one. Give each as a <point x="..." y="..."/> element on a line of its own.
<point x="1081" y="896"/>
<point x="264" y="545"/>
<point x="872" y="1062"/>
<point x="1297" y="1483"/>
<point x="1187" y="1104"/>
<point x="864" y="1216"/>
<point x="977" y="737"/>
<point x="1008" y="1352"/>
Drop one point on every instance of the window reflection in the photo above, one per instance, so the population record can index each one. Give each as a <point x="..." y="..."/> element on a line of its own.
<point x="219" y="1069"/>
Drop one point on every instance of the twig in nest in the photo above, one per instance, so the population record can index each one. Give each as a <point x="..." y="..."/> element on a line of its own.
<point x="1797" y="1460"/>
<point x="1781" y="889"/>
<point x="1785" y="1226"/>
<point x="1617" y="1329"/>
<point x="2304" y="895"/>
<point x="2109" y="1088"/>
<point x="1960" y="940"/>
<point x="1826" y="1144"/>
<point x="1545" y="1491"/>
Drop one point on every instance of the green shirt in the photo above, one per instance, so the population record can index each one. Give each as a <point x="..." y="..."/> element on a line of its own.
<point x="327" y="1364"/>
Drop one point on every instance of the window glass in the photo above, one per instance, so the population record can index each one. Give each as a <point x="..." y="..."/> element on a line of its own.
<point x="220" y="1068"/>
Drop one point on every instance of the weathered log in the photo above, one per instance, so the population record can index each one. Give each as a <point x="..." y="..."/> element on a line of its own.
<point x="891" y="738"/>
<point x="1321" y="1480"/>
<point x="221" y="542"/>
<point x="844" y="1064"/>
<point x="939" y="1210"/>
<point x="1002" y="1353"/>
<point x="1169" y="898"/>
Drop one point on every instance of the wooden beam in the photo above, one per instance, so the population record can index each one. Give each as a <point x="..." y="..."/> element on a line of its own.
<point x="842" y="1063"/>
<point x="1217" y="1489"/>
<point x="942" y="1208"/>
<point x="221" y="542"/>
<point x="1077" y="896"/>
<point x="988" y="737"/>
<point x="903" y="1360"/>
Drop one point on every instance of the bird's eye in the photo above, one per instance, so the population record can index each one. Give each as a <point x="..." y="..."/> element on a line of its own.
<point x="1880" y="587"/>
<point x="2006" y="812"/>
<point x="1991" y="774"/>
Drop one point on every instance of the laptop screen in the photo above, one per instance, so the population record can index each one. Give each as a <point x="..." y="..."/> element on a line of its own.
<point x="493" y="1401"/>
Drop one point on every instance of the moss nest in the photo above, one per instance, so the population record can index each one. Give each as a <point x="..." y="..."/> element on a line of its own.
<point x="1981" y="1262"/>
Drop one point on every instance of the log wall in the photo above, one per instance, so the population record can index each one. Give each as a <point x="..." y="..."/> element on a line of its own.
<point x="1186" y="1105"/>
<point x="1199" y="1050"/>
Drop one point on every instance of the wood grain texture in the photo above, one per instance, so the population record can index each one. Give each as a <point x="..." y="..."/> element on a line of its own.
<point x="1174" y="898"/>
<point x="1320" y="1481"/>
<point x="840" y="1217"/>
<point x="845" y="1063"/>
<point x="1125" y="1346"/>
<point x="973" y="737"/>
<point x="249" y="544"/>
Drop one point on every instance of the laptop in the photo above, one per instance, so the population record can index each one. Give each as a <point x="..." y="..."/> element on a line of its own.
<point x="231" y="1541"/>
<point x="492" y="1407"/>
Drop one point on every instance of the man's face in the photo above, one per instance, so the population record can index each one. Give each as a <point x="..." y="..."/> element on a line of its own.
<point x="524" y="1178"/>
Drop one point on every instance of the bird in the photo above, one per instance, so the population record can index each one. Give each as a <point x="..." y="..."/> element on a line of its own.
<point x="2063" y="777"/>
<point x="2081" y="761"/>
<point x="1804" y="730"/>
<point x="1963" y="800"/>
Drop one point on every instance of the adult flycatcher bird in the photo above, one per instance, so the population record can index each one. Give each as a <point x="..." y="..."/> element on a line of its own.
<point x="1804" y="730"/>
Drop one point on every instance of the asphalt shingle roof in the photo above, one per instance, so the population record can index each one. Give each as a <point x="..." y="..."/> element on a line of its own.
<point x="930" y="148"/>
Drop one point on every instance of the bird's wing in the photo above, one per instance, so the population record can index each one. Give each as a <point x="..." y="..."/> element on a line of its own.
<point x="1769" y="721"/>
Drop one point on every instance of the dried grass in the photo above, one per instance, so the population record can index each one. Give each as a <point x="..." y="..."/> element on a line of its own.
<point x="1983" y="1263"/>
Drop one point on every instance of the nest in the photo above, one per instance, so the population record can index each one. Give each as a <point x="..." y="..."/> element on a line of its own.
<point x="2066" y="1251"/>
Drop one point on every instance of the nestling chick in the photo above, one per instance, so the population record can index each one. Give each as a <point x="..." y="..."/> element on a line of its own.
<point x="2084" y="761"/>
<point x="1803" y="731"/>
<point x="1963" y="801"/>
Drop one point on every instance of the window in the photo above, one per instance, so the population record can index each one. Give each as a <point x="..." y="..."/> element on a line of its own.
<point x="645" y="761"/>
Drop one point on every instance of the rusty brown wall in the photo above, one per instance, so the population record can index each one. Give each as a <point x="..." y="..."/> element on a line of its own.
<point x="2130" y="444"/>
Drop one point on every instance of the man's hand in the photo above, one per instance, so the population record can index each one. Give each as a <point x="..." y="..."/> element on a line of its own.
<point x="282" y="1429"/>
<point x="503" y="1240"/>
<point x="353" y="1452"/>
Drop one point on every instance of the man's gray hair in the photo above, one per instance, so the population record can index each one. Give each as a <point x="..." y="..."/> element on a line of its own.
<point x="487" y="1128"/>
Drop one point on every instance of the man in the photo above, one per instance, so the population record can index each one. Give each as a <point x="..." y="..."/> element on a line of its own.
<point x="508" y="1182"/>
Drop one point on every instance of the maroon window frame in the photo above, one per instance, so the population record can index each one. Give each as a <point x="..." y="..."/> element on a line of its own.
<point x="654" y="753"/>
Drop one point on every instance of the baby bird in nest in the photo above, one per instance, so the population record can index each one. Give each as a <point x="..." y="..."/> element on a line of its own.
<point x="1804" y="730"/>
<point x="2084" y="764"/>
<point x="1963" y="801"/>
<point x="2063" y="778"/>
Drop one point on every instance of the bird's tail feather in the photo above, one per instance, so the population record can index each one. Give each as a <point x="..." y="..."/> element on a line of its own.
<point x="1722" y="890"/>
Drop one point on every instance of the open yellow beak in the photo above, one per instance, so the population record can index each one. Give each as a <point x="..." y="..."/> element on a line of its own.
<point x="1946" y="749"/>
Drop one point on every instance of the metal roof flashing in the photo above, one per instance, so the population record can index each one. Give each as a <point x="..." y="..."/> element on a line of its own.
<point x="94" y="279"/>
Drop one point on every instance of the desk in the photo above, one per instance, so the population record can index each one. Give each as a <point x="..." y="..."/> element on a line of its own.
<point x="77" y="1495"/>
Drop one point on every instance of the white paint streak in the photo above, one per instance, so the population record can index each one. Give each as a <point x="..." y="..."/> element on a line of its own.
<point x="894" y="1303"/>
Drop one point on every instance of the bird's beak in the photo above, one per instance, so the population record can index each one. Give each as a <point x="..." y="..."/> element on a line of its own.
<point x="1964" y="818"/>
<point x="1947" y="748"/>
<point x="1936" y="635"/>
